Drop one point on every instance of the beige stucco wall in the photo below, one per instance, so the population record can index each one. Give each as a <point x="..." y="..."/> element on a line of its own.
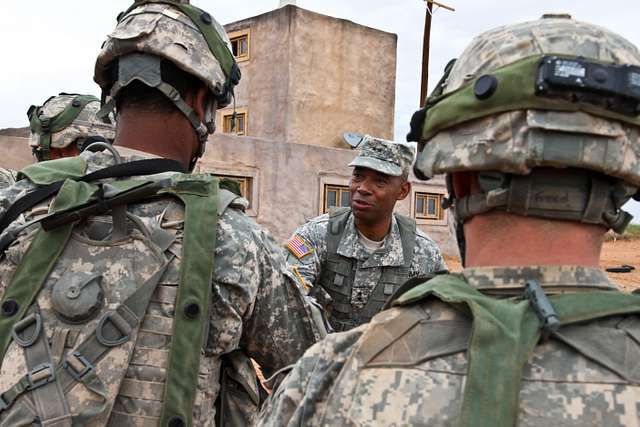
<point x="311" y="77"/>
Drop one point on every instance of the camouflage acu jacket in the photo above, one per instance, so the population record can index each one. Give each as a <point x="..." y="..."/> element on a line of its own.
<point x="372" y="376"/>
<point x="426" y="255"/>
<point x="256" y="309"/>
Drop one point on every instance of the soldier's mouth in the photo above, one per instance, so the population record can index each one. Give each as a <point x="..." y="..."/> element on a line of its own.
<point x="360" y="204"/>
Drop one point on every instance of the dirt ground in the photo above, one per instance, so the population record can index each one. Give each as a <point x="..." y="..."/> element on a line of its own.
<point x="614" y="254"/>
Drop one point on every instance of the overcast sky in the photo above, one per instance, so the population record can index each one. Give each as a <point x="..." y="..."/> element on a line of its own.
<point x="50" y="46"/>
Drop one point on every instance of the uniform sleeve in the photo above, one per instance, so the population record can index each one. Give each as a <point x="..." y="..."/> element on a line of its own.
<point x="298" y="399"/>
<point x="280" y="326"/>
<point x="427" y="256"/>
<point x="305" y="252"/>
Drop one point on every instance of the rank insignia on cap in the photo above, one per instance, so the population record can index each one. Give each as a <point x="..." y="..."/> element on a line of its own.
<point x="299" y="247"/>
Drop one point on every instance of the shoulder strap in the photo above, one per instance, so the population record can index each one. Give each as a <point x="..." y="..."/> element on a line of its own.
<point x="498" y="358"/>
<point x="135" y="168"/>
<point x="337" y="223"/>
<point x="407" y="228"/>
<point x="200" y="197"/>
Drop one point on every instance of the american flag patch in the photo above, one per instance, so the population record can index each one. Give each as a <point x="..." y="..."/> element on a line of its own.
<point x="299" y="247"/>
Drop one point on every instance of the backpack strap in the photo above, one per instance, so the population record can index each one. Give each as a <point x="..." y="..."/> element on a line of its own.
<point x="200" y="197"/>
<point x="130" y="169"/>
<point x="497" y="358"/>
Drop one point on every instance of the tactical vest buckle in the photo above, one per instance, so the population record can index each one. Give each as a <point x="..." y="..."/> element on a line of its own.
<point x="40" y="375"/>
<point x="78" y="366"/>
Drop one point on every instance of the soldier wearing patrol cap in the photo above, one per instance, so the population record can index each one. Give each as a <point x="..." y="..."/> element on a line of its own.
<point x="536" y="126"/>
<point x="66" y="124"/>
<point x="136" y="293"/>
<point x="356" y="258"/>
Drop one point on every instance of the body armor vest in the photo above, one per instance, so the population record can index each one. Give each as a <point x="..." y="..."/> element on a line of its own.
<point x="339" y="272"/>
<point x="95" y="346"/>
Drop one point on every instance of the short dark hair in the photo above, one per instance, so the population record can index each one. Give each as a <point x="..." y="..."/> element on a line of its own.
<point x="138" y="95"/>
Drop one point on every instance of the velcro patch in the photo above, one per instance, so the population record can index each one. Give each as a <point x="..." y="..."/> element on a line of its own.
<point x="299" y="247"/>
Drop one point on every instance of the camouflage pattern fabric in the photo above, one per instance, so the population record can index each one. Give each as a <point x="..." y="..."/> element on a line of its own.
<point x="387" y="157"/>
<point x="426" y="255"/>
<point x="257" y="306"/>
<point x="85" y="125"/>
<point x="7" y="178"/>
<point x="416" y="375"/>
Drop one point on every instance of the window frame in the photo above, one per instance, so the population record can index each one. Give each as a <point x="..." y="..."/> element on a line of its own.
<point x="425" y="215"/>
<point x="227" y="116"/>
<point x="340" y="189"/>
<point x="237" y="35"/>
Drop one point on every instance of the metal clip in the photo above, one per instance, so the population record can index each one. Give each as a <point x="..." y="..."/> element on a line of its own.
<point x="549" y="321"/>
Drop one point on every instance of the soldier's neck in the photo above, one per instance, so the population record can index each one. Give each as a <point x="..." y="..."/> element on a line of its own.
<point x="501" y="239"/>
<point x="166" y="135"/>
<point x="373" y="231"/>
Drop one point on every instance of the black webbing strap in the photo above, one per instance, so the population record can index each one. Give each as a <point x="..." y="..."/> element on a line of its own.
<point x="135" y="168"/>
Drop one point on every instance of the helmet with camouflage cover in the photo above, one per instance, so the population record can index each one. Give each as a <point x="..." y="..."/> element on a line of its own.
<point x="151" y="31"/>
<point x="547" y="113"/>
<point x="66" y="124"/>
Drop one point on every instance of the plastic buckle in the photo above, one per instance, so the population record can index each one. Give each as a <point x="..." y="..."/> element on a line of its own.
<point x="40" y="375"/>
<point x="78" y="367"/>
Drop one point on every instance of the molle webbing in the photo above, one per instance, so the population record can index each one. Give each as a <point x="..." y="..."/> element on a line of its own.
<point x="516" y="90"/>
<point x="504" y="333"/>
<point x="38" y="260"/>
<point x="578" y="195"/>
<point x="200" y="197"/>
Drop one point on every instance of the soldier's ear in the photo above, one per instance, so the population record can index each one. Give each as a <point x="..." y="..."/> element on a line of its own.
<point x="405" y="190"/>
<point x="198" y="101"/>
<point x="464" y="183"/>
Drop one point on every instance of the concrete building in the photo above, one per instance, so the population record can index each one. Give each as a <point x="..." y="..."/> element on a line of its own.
<point x="306" y="79"/>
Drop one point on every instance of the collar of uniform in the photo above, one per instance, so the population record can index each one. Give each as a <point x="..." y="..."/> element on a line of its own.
<point x="389" y="255"/>
<point x="554" y="278"/>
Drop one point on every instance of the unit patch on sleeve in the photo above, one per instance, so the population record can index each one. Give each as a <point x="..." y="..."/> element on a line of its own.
<point x="299" y="247"/>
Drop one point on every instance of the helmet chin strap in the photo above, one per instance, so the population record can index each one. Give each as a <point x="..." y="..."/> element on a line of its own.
<point x="147" y="69"/>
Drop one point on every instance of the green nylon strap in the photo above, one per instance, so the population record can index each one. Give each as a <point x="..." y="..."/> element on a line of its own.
<point x="39" y="259"/>
<point x="504" y="333"/>
<point x="48" y="172"/>
<point x="515" y="91"/>
<point x="63" y="118"/>
<point x="200" y="197"/>
<point x="217" y="46"/>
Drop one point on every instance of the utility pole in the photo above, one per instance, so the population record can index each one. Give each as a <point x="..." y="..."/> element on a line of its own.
<point x="426" y="42"/>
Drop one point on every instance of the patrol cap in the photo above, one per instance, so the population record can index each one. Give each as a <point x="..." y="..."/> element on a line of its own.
<point x="388" y="157"/>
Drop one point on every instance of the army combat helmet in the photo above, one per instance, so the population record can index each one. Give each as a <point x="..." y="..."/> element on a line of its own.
<point x="66" y="124"/>
<point x="151" y="31"/>
<point x="547" y="113"/>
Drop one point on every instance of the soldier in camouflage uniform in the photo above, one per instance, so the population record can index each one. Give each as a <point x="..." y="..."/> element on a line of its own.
<point x="65" y="124"/>
<point x="356" y="258"/>
<point x="146" y="311"/>
<point x="536" y="126"/>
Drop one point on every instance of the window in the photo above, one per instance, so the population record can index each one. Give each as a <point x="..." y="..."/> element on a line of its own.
<point x="245" y="183"/>
<point x="240" y="125"/>
<point x="335" y="195"/>
<point x="240" y="44"/>
<point x="429" y="206"/>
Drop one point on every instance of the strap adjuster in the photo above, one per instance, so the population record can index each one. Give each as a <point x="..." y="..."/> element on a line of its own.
<point x="77" y="366"/>
<point x="40" y="375"/>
